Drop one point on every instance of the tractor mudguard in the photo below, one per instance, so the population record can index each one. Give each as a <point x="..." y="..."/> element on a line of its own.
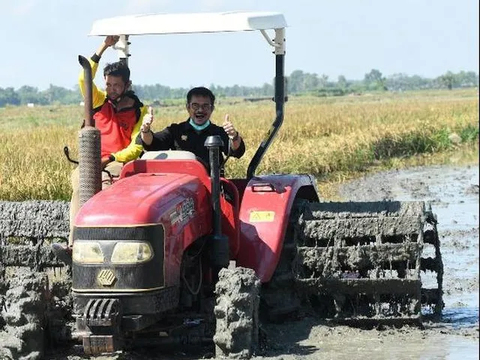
<point x="264" y="215"/>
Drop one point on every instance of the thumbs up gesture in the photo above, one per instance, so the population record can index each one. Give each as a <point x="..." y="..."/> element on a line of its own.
<point x="229" y="128"/>
<point x="147" y="121"/>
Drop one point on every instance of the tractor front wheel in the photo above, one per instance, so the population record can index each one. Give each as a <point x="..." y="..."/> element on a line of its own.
<point x="236" y="312"/>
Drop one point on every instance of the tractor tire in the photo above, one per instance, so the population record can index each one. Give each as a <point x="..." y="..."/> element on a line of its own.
<point x="280" y="298"/>
<point x="236" y="313"/>
<point x="362" y="263"/>
<point x="359" y="263"/>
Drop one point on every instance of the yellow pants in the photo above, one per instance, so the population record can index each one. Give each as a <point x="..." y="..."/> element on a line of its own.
<point x="113" y="168"/>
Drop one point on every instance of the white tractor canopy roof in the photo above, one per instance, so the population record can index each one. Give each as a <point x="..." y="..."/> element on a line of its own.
<point x="150" y="24"/>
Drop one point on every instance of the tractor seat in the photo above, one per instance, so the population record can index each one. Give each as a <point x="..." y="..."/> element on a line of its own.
<point x="168" y="154"/>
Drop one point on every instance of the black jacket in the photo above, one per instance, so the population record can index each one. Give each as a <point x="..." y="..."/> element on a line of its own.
<point x="184" y="137"/>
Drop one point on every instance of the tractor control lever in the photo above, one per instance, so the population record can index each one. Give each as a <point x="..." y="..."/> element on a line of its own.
<point x="66" y="151"/>
<point x="67" y="154"/>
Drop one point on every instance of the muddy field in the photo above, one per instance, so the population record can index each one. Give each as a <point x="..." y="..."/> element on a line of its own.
<point x="454" y="195"/>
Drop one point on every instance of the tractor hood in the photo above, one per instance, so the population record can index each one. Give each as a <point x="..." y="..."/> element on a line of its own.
<point x="144" y="199"/>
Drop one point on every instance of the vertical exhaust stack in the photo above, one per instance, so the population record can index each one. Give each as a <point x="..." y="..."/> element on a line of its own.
<point x="220" y="251"/>
<point x="89" y="143"/>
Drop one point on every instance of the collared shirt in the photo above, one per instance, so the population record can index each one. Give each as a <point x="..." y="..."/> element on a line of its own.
<point x="184" y="137"/>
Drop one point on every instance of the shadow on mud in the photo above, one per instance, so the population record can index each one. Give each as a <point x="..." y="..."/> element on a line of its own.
<point x="282" y="339"/>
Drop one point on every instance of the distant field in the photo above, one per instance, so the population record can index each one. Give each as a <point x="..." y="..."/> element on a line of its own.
<point x="332" y="138"/>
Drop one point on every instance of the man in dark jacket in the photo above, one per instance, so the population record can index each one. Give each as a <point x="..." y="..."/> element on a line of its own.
<point x="191" y="134"/>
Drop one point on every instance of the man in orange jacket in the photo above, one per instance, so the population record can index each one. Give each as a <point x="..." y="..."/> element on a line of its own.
<point x="117" y="114"/>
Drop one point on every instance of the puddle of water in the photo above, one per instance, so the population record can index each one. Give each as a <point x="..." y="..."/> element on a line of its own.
<point x="460" y="317"/>
<point x="447" y="189"/>
<point x="439" y="347"/>
<point x="461" y="349"/>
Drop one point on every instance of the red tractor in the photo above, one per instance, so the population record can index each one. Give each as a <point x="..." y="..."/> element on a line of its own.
<point x="170" y="252"/>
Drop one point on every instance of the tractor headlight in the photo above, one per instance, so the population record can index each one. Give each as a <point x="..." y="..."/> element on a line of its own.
<point x="87" y="252"/>
<point x="131" y="252"/>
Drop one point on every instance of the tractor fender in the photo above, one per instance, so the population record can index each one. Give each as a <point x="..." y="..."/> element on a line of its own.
<point x="264" y="216"/>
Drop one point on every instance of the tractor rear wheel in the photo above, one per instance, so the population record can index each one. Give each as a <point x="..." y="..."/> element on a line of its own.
<point x="363" y="263"/>
<point x="360" y="263"/>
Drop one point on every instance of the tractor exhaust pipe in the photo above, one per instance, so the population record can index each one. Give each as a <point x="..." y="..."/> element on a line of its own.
<point x="89" y="143"/>
<point x="220" y="251"/>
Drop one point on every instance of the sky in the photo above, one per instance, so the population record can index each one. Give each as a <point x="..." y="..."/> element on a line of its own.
<point x="43" y="38"/>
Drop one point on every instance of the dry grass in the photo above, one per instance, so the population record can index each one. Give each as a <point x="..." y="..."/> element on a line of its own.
<point x="332" y="138"/>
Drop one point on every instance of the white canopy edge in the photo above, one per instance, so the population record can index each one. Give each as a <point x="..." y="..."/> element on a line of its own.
<point x="151" y="24"/>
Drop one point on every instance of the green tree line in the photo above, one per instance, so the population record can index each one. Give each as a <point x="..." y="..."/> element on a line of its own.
<point x="298" y="82"/>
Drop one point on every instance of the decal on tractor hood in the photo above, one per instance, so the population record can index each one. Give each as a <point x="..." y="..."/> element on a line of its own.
<point x="262" y="216"/>
<point x="182" y="211"/>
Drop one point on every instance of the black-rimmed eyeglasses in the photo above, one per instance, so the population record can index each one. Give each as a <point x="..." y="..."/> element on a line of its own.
<point x="196" y="106"/>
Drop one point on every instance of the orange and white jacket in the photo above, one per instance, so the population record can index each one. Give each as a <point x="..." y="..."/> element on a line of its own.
<point x="118" y="129"/>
